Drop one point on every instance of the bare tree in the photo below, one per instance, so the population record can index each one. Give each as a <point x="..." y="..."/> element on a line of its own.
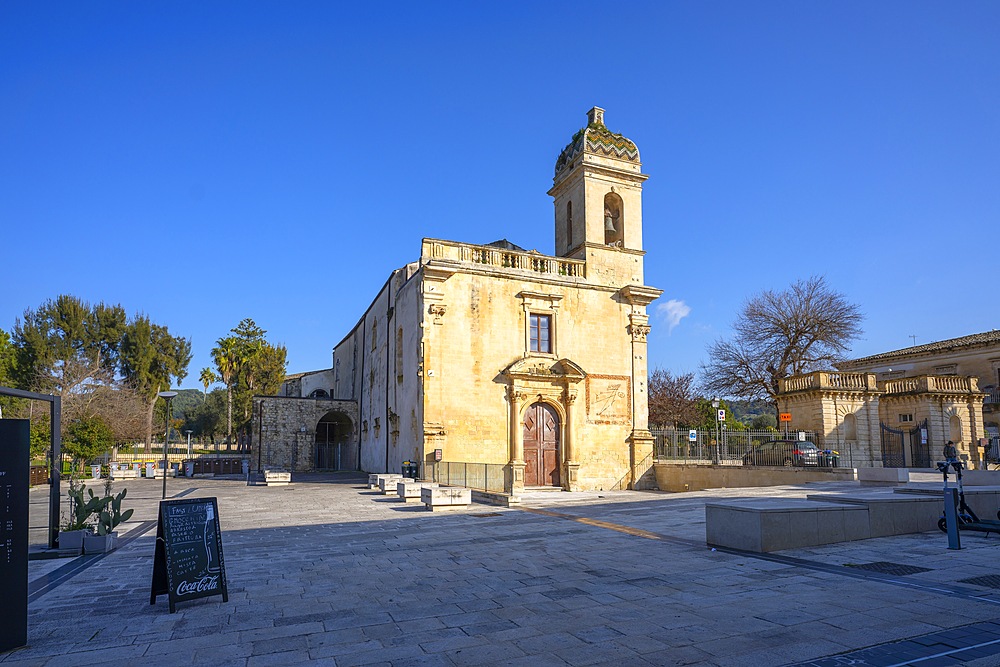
<point x="672" y="399"/>
<point x="805" y="328"/>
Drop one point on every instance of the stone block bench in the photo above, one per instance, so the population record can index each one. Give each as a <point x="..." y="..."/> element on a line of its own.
<point x="277" y="477"/>
<point x="124" y="473"/>
<point x="774" y="524"/>
<point x="409" y="491"/>
<point x="883" y="476"/>
<point x="891" y="513"/>
<point x="387" y="483"/>
<point x="375" y="479"/>
<point x="447" y="498"/>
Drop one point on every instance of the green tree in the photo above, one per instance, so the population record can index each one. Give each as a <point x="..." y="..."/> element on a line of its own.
<point x="151" y="358"/>
<point x="226" y="357"/>
<point x="248" y="365"/>
<point x="67" y="345"/>
<point x="805" y="328"/>
<point x="87" y="438"/>
<point x="208" y="378"/>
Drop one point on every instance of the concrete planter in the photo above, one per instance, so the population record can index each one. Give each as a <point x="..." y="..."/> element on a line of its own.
<point x="99" y="544"/>
<point x="72" y="540"/>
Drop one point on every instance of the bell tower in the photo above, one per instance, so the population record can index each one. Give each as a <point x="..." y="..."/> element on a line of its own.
<point x="597" y="192"/>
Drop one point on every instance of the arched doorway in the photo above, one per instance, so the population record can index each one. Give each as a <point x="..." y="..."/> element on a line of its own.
<point x="541" y="446"/>
<point x="333" y="443"/>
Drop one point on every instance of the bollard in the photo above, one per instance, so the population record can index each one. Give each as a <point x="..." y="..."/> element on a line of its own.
<point x="951" y="518"/>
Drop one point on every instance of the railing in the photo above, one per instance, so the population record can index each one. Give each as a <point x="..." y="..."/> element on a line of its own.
<point x="928" y="383"/>
<point x="992" y="396"/>
<point x="501" y="258"/>
<point x="827" y="380"/>
<point x="730" y="448"/>
<point x="489" y="477"/>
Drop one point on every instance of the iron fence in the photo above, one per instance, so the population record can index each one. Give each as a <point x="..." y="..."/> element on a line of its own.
<point x="489" y="477"/>
<point x="723" y="447"/>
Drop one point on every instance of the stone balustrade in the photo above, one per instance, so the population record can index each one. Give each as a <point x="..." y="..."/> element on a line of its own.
<point x="827" y="380"/>
<point x="951" y="384"/>
<point x="503" y="259"/>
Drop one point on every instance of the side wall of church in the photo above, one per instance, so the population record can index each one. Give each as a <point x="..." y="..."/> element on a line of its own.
<point x="377" y="365"/>
<point x="484" y="330"/>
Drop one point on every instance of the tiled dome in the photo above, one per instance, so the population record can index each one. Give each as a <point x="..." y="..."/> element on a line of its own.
<point x="599" y="140"/>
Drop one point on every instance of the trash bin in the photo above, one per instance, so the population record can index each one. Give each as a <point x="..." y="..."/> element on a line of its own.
<point x="410" y="469"/>
<point x="246" y="467"/>
<point x="95" y="472"/>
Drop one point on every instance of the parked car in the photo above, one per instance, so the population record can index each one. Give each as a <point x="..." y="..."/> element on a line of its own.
<point x="783" y="453"/>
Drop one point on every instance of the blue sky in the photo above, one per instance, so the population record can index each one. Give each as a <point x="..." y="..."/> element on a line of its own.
<point x="205" y="162"/>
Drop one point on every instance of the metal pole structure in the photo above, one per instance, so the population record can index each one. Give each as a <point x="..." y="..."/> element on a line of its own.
<point x="167" y="396"/>
<point x="189" y="432"/>
<point x="55" y="469"/>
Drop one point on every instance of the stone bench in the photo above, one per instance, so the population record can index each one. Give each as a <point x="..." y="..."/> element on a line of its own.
<point x="385" y="480"/>
<point x="277" y="478"/>
<point x="409" y="491"/>
<point x="775" y="524"/>
<point x="449" y="498"/>
<point x="125" y="473"/>
<point x="892" y="513"/>
<point x="883" y="476"/>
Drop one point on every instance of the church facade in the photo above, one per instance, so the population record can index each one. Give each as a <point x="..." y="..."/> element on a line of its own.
<point x="520" y="369"/>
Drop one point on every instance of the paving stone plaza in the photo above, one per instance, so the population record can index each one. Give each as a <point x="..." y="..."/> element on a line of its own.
<point x="327" y="571"/>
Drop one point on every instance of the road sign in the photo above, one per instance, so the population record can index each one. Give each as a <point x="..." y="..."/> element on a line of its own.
<point x="785" y="417"/>
<point x="722" y="415"/>
<point x="693" y="435"/>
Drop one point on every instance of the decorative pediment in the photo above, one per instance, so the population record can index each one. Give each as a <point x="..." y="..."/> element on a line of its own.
<point x="535" y="368"/>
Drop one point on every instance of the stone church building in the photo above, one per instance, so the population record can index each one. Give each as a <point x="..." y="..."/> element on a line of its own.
<point x="517" y="368"/>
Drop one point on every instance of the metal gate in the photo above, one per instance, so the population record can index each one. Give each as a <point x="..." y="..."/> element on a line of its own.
<point x="920" y="449"/>
<point x="892" y="447"/>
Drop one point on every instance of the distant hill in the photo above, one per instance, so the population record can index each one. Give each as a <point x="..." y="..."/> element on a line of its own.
<point x="747" y="411"/>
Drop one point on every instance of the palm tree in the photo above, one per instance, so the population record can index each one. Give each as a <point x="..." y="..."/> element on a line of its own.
<point x="227" y="362"/>
<point x="207" y="378"/>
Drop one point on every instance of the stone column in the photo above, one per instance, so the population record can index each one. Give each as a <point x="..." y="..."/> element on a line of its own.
<point x="572" y="466"/>
<point x="641" y="440"/>
<point x="516" y="481"/>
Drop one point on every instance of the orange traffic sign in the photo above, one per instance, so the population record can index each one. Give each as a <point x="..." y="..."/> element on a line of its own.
<point x="785" y="417"/>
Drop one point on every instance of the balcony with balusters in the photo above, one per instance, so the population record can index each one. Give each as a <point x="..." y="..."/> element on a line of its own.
<point x="505" y="260"/>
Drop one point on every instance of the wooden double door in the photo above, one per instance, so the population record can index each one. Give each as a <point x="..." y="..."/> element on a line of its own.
<point x="541" y="446"/>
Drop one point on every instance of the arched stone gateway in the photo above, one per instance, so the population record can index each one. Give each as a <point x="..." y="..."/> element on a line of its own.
<point x="334" y="448"/>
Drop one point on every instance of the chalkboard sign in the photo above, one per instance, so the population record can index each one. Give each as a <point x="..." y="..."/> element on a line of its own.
<point x="14" y="470"/>
<point x="188" y="562"/>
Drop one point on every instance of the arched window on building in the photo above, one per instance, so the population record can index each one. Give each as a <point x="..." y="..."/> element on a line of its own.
<point x="614" y="219"/>
<point x="569" y="225"/>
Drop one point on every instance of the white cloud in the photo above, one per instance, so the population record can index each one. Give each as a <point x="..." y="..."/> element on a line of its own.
<point x="674" y="311"/>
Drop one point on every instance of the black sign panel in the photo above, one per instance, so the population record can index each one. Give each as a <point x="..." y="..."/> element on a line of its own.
<point x="188" y="562"/>
<point x="14" y="467"/>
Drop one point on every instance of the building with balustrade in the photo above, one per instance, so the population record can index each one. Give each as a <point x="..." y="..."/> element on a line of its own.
<point x="976" y="355"/>
<point x="898" y="422"/>
<point x="492" y="366"/>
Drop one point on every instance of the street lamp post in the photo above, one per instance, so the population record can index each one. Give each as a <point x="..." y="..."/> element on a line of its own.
<point x="167" y="396"/>
<point x="715" y="453"/>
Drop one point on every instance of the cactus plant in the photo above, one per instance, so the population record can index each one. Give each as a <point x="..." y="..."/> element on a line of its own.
<point x="111" y="514"/>
<point x="81" y="508"/>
